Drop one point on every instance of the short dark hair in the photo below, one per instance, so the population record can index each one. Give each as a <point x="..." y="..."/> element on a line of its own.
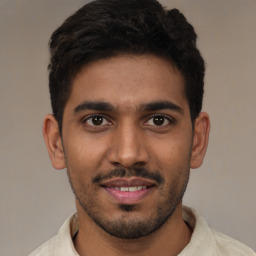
<point x="108" y="28"/>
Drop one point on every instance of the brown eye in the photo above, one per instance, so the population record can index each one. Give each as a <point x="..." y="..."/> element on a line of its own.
<point x="158" y="120"/>
<point x="97" y="120"/>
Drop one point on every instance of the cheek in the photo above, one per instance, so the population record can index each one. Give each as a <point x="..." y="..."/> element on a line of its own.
<point x="84" y="155"/>
<point x="171" y="154"/>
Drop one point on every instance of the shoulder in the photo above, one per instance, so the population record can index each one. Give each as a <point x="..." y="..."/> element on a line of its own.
<point x="47" y="249"/>
<point x="62" y="243"/>
<point x="230" y="246"/>
<point x="207" y="241"/>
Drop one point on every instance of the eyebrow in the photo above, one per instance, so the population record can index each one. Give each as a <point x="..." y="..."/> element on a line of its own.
<point x="105" y="106"/>
<point x="160" y="105"/>
<point x="94" y="105"/>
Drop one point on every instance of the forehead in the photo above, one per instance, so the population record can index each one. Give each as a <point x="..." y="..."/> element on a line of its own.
<point x="128" y="81"/>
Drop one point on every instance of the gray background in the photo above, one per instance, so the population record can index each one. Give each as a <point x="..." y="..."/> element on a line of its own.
<point x="35" y="199"/>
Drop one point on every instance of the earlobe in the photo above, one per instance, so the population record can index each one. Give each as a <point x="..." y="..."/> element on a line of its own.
<point x="53" y="142"/>
<point x="200" y="140"/>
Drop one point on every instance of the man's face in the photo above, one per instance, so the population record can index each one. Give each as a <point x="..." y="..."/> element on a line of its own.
<point x="127" y="138"/>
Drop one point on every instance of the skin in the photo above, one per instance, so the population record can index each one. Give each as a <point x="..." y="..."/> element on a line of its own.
<point x="129" y="137"/>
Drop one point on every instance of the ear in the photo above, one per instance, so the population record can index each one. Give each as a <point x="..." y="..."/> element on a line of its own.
<point x="200" y="140"/>
<point x="53" y="142"/>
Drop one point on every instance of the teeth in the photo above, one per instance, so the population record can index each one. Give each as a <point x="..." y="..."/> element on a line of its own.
<point x="133" y="188"/>
<point x="130" y="189"/>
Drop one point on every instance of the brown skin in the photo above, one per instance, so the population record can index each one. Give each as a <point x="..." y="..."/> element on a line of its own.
<point x="129" y="137"/>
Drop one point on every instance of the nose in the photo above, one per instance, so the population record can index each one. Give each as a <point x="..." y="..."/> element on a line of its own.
<point x="128" y="147"/>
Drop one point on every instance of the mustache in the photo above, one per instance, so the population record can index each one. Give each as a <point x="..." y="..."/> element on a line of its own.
<point x="130" y="172"/>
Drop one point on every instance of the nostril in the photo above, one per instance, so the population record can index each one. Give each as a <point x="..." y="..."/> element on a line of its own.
<point x="126" y="153"/>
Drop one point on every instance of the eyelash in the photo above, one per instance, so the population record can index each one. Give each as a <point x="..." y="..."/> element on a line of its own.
<point x="85" y="120"/>
<point x="166" y="118"/>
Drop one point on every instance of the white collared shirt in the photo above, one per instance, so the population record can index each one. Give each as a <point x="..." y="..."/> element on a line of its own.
<point x="204" y="241"/>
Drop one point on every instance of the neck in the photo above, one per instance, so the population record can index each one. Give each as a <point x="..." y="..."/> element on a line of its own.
<point x="170" y="239"/>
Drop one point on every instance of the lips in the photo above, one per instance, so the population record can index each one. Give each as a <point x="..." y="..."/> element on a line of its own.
<point x="128" y="191"/>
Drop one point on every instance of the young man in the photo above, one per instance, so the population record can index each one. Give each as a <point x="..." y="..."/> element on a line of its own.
<point x="126" y="83"/>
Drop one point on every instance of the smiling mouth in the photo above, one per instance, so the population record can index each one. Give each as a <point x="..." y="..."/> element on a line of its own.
<point x="128" y="191"/>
